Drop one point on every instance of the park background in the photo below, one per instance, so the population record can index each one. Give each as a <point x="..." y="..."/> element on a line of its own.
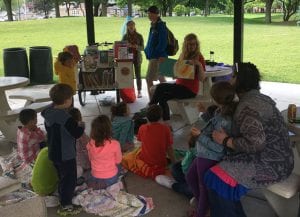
<point x="274" y="47"/>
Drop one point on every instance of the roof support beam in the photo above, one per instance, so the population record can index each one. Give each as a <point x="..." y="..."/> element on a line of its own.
<point x="89" y="16"/>
<point x="238" y="31"/>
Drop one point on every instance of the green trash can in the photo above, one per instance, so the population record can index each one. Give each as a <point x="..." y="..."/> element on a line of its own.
<point x="15" y="62"/>
<point x="41" y="65"/>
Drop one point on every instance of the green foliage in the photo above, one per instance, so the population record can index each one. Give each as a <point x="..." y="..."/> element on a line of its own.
<point x="275" y="50"/>
<point x="197" y="11"/>
<point x="179" y="10"/>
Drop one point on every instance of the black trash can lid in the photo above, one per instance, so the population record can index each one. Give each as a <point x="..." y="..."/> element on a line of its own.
<point x="40" y="47"/>
<point x="14" y="49"/>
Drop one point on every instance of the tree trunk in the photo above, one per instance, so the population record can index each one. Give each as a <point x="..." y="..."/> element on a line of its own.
<point x="57" y="12"/>
<point x="96" y="9"/>
<point x="170" y="7"/>
<point x="104" y="9"/>
<point x="170" y="11"/>
<point x="289" y="8"/>
<point x="8" y="10"/>
<point x="129" y="5"/>
<point x="68" y="8"/>
<point x="268" y="17"/>
<point x="206" y="10"/>
<point x="164" y="9"/>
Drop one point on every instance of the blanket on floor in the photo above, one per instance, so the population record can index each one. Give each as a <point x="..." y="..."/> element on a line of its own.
<point x="113" y="202"/>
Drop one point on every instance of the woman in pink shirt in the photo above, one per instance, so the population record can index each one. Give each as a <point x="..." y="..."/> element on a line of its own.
<point x="104" y="153"/>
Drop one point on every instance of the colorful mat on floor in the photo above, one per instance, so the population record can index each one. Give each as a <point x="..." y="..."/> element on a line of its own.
<point x="114" y="202"/>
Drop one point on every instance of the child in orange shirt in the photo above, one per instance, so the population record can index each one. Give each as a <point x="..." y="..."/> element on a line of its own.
<point x="104" y="153"/>
<point x="150" y="159"/>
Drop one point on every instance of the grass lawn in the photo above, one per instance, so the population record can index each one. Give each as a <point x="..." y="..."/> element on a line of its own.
<point x="274" y="48"/>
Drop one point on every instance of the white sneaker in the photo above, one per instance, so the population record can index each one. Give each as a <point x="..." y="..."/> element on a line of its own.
<point x="193" y="202"/>
<point x="165" y="181"/>
<point x="51" y="201"/>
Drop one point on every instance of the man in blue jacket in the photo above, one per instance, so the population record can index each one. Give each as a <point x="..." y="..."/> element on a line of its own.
<point x="156" y="47"/>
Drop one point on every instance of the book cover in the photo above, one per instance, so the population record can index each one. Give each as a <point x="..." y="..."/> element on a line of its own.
<point x="183" y="69"/>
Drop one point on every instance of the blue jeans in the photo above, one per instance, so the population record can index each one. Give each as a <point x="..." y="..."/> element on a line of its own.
<point x="180" y="185"/>
<point x="101" y="183"/>
<point x="220" y="207"/>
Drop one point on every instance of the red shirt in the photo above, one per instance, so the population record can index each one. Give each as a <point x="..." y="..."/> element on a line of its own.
<point x="156" y="138"/>
<point x="192" y="85"/>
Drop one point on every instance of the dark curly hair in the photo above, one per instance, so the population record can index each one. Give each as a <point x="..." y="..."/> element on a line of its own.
<point x="27" y="115"/>
<point x="247" y="77"/>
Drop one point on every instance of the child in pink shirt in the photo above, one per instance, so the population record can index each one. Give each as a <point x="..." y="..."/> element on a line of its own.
<point x="104" y="153"/>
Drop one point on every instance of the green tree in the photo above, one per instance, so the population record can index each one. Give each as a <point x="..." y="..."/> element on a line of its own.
<point x="289" y="8"/>
<point x="8" y="7"/>
<point x="43" y="5"/>
<point x="179" y="10"/>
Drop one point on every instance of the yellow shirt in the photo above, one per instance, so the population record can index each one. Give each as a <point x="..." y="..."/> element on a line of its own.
<point x="66" y="75"/>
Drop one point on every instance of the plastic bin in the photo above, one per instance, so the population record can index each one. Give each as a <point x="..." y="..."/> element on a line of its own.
<point x="15" y="62"/>
<point x="41" y="65"/>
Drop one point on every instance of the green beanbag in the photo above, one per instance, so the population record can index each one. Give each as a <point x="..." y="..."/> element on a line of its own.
<point x="44" y="176"/>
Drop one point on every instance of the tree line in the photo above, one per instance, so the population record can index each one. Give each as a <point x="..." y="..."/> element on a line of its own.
<point x="167" y="7"/>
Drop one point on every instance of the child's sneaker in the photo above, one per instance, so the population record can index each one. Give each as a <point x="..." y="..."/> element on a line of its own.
<point x="193" y="202"/>
<point x="51" y="201"/>
<point x="69" y="210"/>
<point x="165" y="181"/>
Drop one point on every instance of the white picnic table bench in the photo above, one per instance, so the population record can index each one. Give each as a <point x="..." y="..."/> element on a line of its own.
<point x="187" y="108"/>
<point x="9" y="116"/>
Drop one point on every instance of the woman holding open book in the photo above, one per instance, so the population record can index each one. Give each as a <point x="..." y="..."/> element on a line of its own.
<point x="136" y="45"/>
<point x="188" y="86"/>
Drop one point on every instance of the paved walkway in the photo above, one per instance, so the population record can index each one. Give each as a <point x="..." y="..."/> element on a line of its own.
<point x="167" y="203"/>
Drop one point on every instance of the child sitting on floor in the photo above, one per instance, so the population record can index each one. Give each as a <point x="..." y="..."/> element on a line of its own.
<point x="150" y="159"/>
<point x="30" y="139"/>
<point x="82" y="158"/>
<point x="179" y="170"/>
<point x="122" y="126"/>
<point x="104" y="153"/>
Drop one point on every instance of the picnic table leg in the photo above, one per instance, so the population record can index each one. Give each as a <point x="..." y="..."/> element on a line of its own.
<point x="9" y="129"/>
<point x="4" y="103"/>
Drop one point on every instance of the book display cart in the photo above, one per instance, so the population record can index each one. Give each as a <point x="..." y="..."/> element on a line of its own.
<point x="105" y="69"/>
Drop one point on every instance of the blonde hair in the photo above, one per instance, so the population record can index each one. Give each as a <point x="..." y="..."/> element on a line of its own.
<point x="185" y="54"/>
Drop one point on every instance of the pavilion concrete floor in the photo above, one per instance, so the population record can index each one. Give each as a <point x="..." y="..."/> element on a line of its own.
<point x="167" y="202"/>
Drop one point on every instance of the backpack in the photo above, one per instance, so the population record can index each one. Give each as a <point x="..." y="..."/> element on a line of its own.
<point x="172" y="43"/>
<point x="172" y="46"/>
